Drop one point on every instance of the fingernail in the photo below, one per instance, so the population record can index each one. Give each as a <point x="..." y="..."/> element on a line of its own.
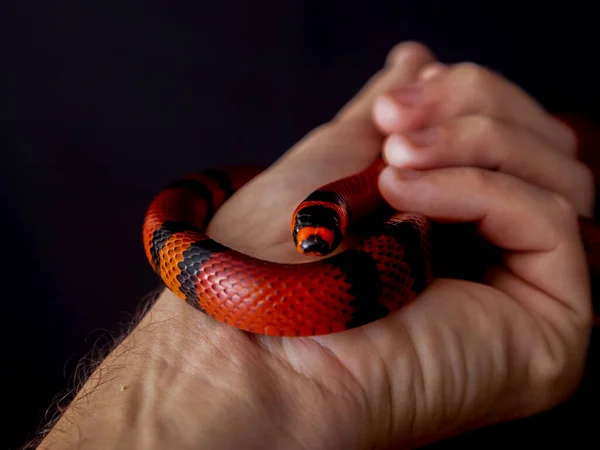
<point x="396" y="151"/>
<point x="423" y="138"/>
<point x="409" y="95"/>
<point x="386" y="111"/>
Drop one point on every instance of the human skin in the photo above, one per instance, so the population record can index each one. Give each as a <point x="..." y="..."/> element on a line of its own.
<point x="464" y="355"/>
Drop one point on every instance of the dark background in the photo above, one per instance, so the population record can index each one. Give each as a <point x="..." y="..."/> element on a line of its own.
<point x="104" y="102"/>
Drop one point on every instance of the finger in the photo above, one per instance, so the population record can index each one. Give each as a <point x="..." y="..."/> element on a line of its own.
<point x="403" y="65"/>
<point x="538" y="228"/>
<point x="489" y="143"/>
<point x="333" y="151"/>
<point x="432" y="70"/>
<point x="349" y="143"/>
<point x="466" y="89"/>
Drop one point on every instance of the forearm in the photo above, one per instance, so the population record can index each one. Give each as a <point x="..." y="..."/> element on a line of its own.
<point x="175" y="383"/>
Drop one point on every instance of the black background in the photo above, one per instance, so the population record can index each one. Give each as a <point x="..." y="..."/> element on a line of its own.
<point x="104" y="102"/>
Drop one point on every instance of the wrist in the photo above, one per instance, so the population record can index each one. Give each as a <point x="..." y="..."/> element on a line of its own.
<point x="179" y="380"/>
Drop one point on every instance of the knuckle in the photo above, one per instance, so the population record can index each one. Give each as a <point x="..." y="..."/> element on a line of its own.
<point x="587" y="189"/>
<point x="550" y="369"/>
<point x="563" y="207"/>
<point x="473" y="134"/>
<point x="432" y="71"/>
<point x="411" y="48"/>
<point x="560" y="216"/>
<point x="567" y="132"/>
<point x="478" y="179"/>
<point x="408" y="49"/>
<point x="570" y="137"/>
<point x="478" y="86"/>
<point x="484" y="127"/>
<point x="474" y="76"/>
<point x="588" y="178"/>
<point x="474" y="127"/>
<point x="494" y="140"/>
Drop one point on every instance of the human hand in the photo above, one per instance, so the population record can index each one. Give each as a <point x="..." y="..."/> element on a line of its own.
<point x="463" y="355"/>
<point x="487" y="153"/>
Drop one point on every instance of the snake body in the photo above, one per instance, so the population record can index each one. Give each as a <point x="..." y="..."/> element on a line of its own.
<point x="388" y="266"/>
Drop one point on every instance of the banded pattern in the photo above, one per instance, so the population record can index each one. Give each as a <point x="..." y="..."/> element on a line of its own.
<point x="389" y="266"/>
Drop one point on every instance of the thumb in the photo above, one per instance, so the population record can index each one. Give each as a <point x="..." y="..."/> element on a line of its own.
<point x="404" y="64"/>
<point x="350" y="141"/>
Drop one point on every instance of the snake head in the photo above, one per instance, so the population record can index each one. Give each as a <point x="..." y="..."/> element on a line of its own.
<point x="316" y="230"/>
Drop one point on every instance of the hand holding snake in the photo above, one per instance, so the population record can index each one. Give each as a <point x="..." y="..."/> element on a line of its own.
<point x="462" y="146"/>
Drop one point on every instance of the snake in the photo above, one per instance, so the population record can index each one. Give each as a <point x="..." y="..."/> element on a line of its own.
<point x="387" y="266"/>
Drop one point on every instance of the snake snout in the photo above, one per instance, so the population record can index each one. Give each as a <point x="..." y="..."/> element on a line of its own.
<point x="315" y="245"/>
